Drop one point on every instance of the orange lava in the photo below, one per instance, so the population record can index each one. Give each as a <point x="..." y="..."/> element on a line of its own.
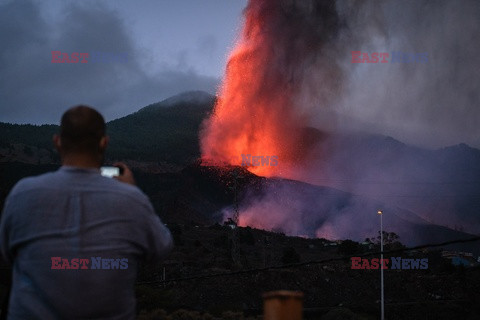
<point x="254" y="114"/>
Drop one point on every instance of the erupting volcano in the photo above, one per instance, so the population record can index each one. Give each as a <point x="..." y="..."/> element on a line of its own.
<point x="278" y="69"/>
<point x="291" y="93"/>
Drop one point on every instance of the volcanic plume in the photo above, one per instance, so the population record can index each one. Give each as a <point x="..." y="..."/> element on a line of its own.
<point x="290" y="78"/>
<point x="272" y="76"/>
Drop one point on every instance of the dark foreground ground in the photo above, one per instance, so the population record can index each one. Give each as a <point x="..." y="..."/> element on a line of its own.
<point x="332" y="289"/>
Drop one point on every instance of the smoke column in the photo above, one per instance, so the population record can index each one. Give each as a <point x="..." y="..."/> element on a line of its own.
<point x="290" y="84"/>
<point x="265" y="102"/>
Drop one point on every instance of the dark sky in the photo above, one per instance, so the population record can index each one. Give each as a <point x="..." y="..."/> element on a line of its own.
<point x="171" y="46"/>
<point x="179" y="45"/>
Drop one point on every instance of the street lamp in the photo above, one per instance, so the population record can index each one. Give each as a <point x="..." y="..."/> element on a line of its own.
<point x="382" y="307"/>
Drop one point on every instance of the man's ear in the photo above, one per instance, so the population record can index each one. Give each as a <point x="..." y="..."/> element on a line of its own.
<point x="104" y="142"/>
<point x="57" y="142"/>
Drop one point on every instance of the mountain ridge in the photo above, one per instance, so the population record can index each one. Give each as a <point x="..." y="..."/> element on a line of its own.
<point x="162" y="138"/>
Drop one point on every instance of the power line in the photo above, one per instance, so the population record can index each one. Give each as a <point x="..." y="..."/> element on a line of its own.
<point x="301" y="264"/>
<point x="404" y="195"/>
<point x="396" y="182"/>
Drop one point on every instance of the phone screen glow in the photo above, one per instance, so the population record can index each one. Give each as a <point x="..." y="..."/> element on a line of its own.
<point x="109" y="172"/>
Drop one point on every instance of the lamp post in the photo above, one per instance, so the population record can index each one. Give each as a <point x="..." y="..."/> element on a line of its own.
<point x="382" y="304"/>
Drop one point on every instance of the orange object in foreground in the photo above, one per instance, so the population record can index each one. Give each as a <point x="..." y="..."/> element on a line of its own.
<point x="282" y="305"/>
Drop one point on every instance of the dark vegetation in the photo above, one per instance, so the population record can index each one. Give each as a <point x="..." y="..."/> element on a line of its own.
<point x="161" y="144"/>
<point x="156" y="133"/>
<point x="331" y="288"/>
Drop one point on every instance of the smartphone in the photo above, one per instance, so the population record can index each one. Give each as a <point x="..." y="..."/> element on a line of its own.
<point x="110" y="172"/>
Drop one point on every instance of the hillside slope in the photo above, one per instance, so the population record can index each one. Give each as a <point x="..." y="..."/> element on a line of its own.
<point x="361" y="173"/>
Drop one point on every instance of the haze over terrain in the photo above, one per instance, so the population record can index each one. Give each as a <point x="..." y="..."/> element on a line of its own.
<point x="420" y="188"/>
<point x="272" y="79"/>
<point x="177" y="46"/>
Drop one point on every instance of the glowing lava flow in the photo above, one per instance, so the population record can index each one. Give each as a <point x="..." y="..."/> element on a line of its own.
<point x="257" y="112"/>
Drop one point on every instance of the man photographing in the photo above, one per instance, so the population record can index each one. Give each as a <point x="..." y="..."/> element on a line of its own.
<point x="73" y="237"/>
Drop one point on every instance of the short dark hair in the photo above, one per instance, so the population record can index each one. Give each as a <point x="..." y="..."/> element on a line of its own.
<point x="81" y="130"/>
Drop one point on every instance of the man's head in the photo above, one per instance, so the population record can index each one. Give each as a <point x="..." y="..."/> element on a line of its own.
<point x="82" y="136"/>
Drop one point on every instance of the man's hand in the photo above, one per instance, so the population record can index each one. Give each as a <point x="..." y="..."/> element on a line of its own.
<point x="127" y="175"/>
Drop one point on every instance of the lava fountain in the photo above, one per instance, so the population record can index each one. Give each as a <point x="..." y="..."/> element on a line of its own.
<point x="277" y="70"/>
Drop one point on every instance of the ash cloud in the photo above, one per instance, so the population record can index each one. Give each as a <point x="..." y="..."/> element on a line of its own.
<point x="432" y="104"/>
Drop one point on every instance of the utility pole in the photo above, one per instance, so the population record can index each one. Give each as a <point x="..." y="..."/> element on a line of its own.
<point x="236" y="214"/>
<point x="266" y="240"/>
<point x="382" y="301"/>
<point x="164" y="283"/>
